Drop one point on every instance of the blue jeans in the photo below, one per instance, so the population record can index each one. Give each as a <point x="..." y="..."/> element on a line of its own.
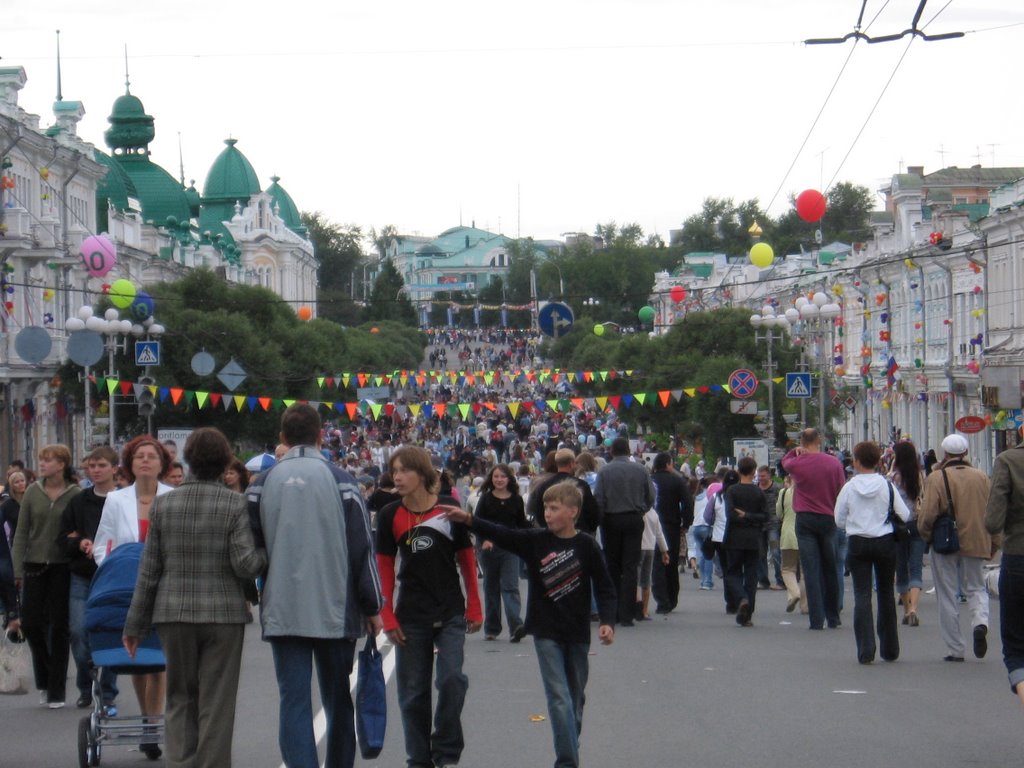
<point x="1011" y="616"/>
<point x="564" y="669"/>
<point x="501" y="587"/>
<point x="704" y="566"/>
<point x="414" y="664"/>
<point x="80" y="643"/>
<point x="293" y="663"/>
<point x="910" y="561"/>
<point x="816" y="537"/>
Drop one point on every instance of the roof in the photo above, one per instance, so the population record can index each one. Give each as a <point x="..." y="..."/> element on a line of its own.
<point x="231" y="177"/>
<point x="159" y="193"/>
<point x="463" y="246"/>
<point x="116" y="186"/>
<point x="974" y="176"/>
<point x="287" y="209"/>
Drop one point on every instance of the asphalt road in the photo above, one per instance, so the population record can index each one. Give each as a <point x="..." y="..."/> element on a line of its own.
<point x="689" y="689"/>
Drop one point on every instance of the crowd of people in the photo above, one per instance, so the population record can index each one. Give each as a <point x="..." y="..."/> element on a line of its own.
<point x="399" y="523"/>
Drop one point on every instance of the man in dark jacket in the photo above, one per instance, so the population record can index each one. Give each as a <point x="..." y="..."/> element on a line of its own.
<point x="565" y="464"/>
<point x="675" y="511"/>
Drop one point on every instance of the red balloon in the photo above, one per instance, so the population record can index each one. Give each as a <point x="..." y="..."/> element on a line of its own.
<point x="810" y="205"/>
<point x="678" y="293"/>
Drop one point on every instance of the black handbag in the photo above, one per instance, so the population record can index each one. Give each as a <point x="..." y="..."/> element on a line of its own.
<point x="945" y="537"/>
<point x="371" y="701"/>
<point x="900" y="530"/>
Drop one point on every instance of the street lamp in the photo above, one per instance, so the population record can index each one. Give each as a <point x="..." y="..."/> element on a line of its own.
<point x="817" y="316"/>
<point x="769" y="322"/>
<point x="591" y="303"/>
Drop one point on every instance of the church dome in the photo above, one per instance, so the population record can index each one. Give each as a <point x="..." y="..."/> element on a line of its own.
<point x="130" y="127"/>
<point x="231" y="177"/>
<point x="287" y="209"/>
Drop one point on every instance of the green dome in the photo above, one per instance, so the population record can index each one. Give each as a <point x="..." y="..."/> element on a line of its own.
<point x="130" y="126"/>
<point x="159" y="193"/>
<point x="116" y="187"/>
<point x="231" y="178"/>
<point x="287" y="209"/>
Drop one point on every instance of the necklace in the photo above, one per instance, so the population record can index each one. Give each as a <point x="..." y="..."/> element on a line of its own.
<point x="419" y="519"/>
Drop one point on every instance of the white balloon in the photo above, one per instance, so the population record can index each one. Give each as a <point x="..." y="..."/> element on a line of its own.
<point x="73" y="324"/>
<point x="85" y="312"/>
<point x="111" y="314"/>
<point x="755" y="320"/>
<point x="148" y="322"/>
<point x="138" y="330"/>
<point x="809" y="310"/>
<point x="97" y="324"/>
<point x="125" y="326"/>
<point x="767" y="310"/>
<point x="156" y="329"/>
<point x="800" y="302"/>
<point x="820" y="299"/>
<point x="792" y="314"/>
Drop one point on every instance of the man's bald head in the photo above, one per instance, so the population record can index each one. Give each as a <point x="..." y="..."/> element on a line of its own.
<point x="565" y="458"/>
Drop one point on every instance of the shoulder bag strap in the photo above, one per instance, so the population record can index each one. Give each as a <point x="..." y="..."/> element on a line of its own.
<point x="949" y="495"/>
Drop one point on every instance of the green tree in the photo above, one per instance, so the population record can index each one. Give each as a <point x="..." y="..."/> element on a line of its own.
<point x="721" y="226"/>
<point x="339" y="250"/>
<point x="388" y="300"/>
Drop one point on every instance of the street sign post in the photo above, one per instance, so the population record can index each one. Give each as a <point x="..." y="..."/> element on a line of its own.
<point x="555" y="319"/>
<point x="147" y="353"/>
<point x="742" y="383"/>
<point x="744" y="407"/>
<point x="798" y="384"/>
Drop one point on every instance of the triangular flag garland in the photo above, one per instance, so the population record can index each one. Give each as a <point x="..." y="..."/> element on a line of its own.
<point x="179" y="396"/>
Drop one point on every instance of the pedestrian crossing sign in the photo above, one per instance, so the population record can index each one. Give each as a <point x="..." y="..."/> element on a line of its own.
<point x="147" y="353"/>
<point x="798" y="384"/>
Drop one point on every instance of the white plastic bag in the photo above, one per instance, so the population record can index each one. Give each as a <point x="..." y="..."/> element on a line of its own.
<point x="15" y="666"/>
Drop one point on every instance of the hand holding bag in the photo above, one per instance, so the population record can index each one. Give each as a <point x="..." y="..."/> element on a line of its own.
<point x="945" y="537"/>
<point x="371" y="701"/>
<point x="900" y="530"/>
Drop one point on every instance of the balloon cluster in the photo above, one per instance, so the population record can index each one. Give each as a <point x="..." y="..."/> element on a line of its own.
<point x="137" y="305"/>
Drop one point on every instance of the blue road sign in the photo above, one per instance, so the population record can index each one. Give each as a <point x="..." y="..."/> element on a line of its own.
<point x="147" y="353"/>
<point x="798" y="384"/>
<point x="742" y="383"/>
<point x="555" y="319"/>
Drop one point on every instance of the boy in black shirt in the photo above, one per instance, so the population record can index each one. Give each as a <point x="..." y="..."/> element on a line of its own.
<point x="746" y="510"/>
<point x="562" y="564"/>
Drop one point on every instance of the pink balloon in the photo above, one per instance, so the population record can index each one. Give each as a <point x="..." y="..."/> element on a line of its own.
<point x="99" y="255"/>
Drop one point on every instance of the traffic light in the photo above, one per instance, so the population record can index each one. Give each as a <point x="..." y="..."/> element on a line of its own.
<point x="147" y="403"/>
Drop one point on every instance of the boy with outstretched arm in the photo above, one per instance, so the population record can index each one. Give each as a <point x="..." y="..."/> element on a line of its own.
<point x="562" y="564"/>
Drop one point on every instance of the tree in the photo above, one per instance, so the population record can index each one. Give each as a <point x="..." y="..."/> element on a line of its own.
<point x="339" y="251"/>
<point x="388" y="300"/>
<point x="381" y="239"/>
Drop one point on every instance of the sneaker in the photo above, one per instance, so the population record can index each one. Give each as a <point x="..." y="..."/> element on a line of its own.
<point x="980" y="641"/>
<point x="518" y="633"/>
<point x="490" y="637"/>
<point x="55" y="704"/>
<point x="152" y="751"/>
<point x="84" y="701"/>
<point x="706" y="587"/>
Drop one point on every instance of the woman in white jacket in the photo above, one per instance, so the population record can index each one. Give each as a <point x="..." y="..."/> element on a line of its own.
<point x="862" y="509"/>
<point x="126" y="520"/>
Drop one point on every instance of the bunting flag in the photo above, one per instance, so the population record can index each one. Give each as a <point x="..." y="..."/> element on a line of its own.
<point x="200" y="399"/>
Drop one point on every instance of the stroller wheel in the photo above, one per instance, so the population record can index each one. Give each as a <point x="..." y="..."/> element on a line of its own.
<point x="88" y="749"/>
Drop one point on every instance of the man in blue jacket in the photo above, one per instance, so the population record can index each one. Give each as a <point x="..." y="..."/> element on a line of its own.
<point x="321" y="590"/>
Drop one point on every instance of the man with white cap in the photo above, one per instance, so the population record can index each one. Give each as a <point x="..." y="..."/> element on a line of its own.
<point x="961" y="571"/>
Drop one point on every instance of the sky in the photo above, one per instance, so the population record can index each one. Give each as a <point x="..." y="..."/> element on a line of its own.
<point x="537" y="117"/>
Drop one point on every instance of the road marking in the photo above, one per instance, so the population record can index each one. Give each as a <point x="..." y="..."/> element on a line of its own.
<point x="320" y="721"/>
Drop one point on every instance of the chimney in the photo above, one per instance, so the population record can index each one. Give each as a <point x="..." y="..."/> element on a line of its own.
<point x="916" y="170"/>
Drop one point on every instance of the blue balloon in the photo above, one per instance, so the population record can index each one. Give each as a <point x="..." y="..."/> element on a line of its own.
<point x="142" y="307"/>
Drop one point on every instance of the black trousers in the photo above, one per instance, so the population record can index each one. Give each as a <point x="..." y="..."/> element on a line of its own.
<point x="44" y="618"/>
<point x="741" y="576"/>
<point x="665" y="578"/>
<point x="873" y="561"/>
<point x="622" y="534"/>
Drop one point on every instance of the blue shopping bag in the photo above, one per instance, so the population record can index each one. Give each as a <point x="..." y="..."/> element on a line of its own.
<point x="371" y="701"/>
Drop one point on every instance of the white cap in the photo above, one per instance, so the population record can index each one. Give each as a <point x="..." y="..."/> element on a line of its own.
<point x="954" y="445"/>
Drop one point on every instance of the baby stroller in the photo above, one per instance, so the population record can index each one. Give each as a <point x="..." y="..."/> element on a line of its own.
<point x="106" y="611"/>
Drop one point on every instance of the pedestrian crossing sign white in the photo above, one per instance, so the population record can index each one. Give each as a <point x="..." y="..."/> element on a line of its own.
<point x="798" y="384"/>
<point x="147" y="353"/>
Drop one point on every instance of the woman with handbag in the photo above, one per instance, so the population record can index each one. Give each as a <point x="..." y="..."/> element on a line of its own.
<point x="866" y="508"/>
<point x="789" y="548"/>
<point x="906" y="477"/>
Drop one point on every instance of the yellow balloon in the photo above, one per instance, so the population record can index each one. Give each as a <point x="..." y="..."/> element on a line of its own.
<point x="762" y="255"/>
<point x="599" y="330"/>
<point x="122" y="293"/>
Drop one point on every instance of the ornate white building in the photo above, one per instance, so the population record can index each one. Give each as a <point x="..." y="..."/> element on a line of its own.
<point x="57" y="189"/>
